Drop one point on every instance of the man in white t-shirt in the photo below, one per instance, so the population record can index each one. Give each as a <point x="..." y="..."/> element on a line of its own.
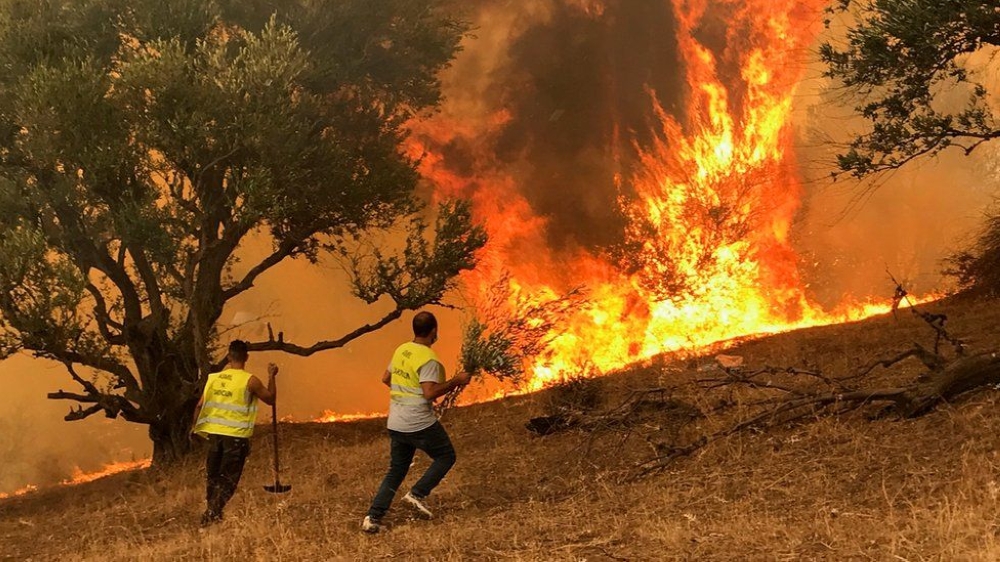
<point x="415" y="378"/>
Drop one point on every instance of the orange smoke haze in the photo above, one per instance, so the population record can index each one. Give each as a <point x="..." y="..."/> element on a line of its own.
<point x="906" y="222"/>
<point x="38" y="448"/>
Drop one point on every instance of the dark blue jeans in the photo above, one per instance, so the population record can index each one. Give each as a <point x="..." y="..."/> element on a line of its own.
<point x="435" y="442"/>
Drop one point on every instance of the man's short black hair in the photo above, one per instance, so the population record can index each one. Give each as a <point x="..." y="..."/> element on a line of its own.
<point x="238" y="350"/>
<point x="423" y="324"/>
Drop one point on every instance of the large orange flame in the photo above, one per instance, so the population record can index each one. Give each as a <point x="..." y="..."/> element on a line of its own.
<point x="709" y="212"/>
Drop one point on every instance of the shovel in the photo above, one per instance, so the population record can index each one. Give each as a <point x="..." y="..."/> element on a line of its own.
<point x="278" y="487"/>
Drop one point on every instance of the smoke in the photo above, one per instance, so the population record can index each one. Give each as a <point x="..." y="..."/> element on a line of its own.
<point x="852" y="235"/>
<point x="553" y="94"/>
<point x="578" y="89"/>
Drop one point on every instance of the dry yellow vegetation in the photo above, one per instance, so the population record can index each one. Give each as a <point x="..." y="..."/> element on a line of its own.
<point x="844" y="488"/>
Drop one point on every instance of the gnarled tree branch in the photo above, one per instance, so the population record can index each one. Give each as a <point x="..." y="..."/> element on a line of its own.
<point x="279" y="343"/>
<point x="112" y="405"/>
<point x="284" y="250"/>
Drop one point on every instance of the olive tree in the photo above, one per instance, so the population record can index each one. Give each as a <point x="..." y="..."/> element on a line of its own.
<point x="899" y="56"/>
<point x="144" y="144"/>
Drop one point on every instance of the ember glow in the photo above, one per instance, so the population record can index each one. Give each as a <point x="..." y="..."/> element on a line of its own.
<point x="20" y="492"/>
<point x="709" y="205"/>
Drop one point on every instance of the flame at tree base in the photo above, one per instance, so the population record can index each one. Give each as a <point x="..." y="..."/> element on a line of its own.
<point x="546" y="374"/>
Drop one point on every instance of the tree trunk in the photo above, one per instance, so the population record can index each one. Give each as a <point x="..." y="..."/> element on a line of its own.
<point x="171" y="439"/>
<point x="171" y="392"/>
<point x="173" y="402"/>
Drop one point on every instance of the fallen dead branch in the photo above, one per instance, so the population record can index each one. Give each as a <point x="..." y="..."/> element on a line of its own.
<point x="944" y="378"/>
<point x="625" y="414"/>
<point x="776" y="396"/>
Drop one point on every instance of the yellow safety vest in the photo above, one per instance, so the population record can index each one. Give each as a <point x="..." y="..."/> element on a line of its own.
<point x="406" y="363"/>
<point x="228" y="407"/>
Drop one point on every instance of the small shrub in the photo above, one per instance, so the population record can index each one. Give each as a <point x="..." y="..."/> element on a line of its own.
<point x="977" y="269"/>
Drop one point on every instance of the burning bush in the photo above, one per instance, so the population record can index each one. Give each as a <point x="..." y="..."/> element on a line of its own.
<point x="514" y="331"/>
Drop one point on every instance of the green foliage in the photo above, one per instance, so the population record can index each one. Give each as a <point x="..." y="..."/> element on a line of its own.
<point x="490" y="352"/>
<point x="142" y="142"/>
<point x="427" y="268"/>
<point x="44" y="291"/>
<point x="899" y="56"/>
<point x="514" y="328"/>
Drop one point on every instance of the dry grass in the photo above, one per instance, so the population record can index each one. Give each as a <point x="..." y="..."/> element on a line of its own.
<point x="832" y="489"/>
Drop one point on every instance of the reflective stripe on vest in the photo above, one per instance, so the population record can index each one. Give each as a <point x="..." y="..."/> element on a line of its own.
<point x="406" y="363"/>
<point x="228" y="407"/>
<point x="227" y="423"/>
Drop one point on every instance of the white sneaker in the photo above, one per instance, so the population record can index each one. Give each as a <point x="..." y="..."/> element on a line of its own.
<point x="370" y="525"/>
<point x="418" y="504"/>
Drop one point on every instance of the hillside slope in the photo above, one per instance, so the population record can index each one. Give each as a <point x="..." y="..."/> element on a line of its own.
<point x="829" y="489"/>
